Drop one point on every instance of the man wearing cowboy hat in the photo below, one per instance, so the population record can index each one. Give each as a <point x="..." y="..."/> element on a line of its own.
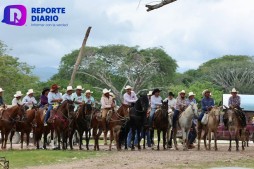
<point x="44" y="97"/>
<point x="191" y="98"/>
<point x="1" y="97"/>
<point x="130" y="96"/>
<point x="68" y="94"/>
<point x="180" y="106"/>
<point x="54" y="97"/>
<point x="234" y="100"/>
<point x="155" y="102"/>
<point x="171" y="102"/>
<point x="106" y="105"/>
<point x="17" y="99"/>
<point x="29" y="99"/>
<point x="88" y="98"/>
<point x="207" y="104"/>
<point x="78" y="96"/>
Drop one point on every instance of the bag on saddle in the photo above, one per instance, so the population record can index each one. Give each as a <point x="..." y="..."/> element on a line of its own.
<point x="204" y="120"/>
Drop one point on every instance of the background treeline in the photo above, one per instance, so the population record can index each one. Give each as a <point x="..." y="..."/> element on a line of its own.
<point x="114" y="66"/>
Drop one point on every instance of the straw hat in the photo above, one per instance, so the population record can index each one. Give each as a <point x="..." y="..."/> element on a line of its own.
<point x="88" y="91"/>
<point x="105" y="91"/>
<point x="54" y="87"/>
<point x="112" y="94"/>
<point x="18" y="94"/>
<point x="128" y="87"/>
<point x="79" y="87"/>
<point x="30" y="91"/>
<point x="205" y="91"/>
<point x="234" y="90"/>
<point x="191" y="94"/>
<point x="183" y="91"/>
<point x="69" y="88"/>
<point x="1" y="90"/>
<point x="150" y="93"/>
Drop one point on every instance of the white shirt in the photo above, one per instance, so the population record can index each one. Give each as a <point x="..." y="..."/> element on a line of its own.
<point x="29" y="101"/>
<point x="67" y="97"/>
<point x="53" y="96"/>
<point x="171" y="103"/>
<point x="16" y="102"/>
<point x="128" y="99"/>
<point x="155" y="101"/>
<point x="106" y="102"/>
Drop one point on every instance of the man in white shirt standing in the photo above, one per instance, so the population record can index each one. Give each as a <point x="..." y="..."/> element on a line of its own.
<point x="29" y="99"/>
<point x="130" y="96"/>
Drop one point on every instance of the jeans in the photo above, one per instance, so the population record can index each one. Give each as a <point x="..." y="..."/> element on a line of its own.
<point x="201" y="115"/>
<point x="175" y="117"/>
<point x="192" y="135"/>
<point x="151" y="116"/>
<point x="48" y="113"/>
<point x="129" y="138"/>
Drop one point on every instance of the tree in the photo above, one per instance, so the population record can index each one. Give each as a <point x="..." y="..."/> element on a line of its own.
<point x="159" y="5"/>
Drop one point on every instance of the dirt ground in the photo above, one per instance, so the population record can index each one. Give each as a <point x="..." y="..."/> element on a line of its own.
<point x="127" y="159"/>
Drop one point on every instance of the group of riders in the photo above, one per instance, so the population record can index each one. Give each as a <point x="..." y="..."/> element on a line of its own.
<point x="52" y="98"/>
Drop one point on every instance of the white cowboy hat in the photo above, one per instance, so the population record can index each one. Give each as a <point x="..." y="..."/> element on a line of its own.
<point x="205" y="91"/>
<point x="234" y="90"/>
<point x="69" y="88"/>
<point x="128" y="87"/>
<point x="183" y="91"/>
<point x="150" y="93"/>
<point x="88" y="91"/>
<point x="18" y="94"/>
<point x="79" y="87"/>
<point x="112" y="94"/>
<point x="191" y="94"/>
<point x="30" y="91"/>
<point x="105" y="91"/>
<point x="1" y="90"/>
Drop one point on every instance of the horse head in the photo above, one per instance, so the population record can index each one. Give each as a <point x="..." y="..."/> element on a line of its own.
<point x="164" y="108"/>
<point x="217" y="111"/>
<point x="21" y="110"/>
<point x="194" y="108"/>
<point x="143" y="103"/>
<point x="67" y="107"/>
<point x="230" y="114"/>
<point x="124" y="111"/>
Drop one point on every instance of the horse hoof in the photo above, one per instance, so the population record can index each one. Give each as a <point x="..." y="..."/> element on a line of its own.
<point x="216" y="149"/>
<point x="229" y="149"/>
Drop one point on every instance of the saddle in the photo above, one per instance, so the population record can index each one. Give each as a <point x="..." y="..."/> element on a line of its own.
<point x="108" y="116"/>
<point x="52" y="116"/>
<point x="2" y="109"/>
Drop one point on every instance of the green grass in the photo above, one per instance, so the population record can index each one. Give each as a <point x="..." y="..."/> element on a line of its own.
<point x="21" y="159"/>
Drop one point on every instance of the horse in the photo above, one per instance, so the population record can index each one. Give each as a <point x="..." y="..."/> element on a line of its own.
<point x="25" y="125"/>
<point x="118" y="120"/>
<point x="211" y="126"/>
<point x="138" y="118"/>
<point x="82" y="123"/>
<point x="185" y="122"/>
<point x="62" y="121"/>
<point x="8" y="122"/>
<point x="170" y="131"/>
<point x="235" y="128"/>
<point x="97" y="127"/>
<point x="161" y="123"/>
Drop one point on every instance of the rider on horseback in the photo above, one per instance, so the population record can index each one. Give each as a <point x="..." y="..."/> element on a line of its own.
<point x="29" y="99"/>
<point x="53" y="97"/>
<point x="156" y="100"/>
<point x="68" y="94"/>
<point x="180" y="106"/>
<point x="88" y="98"/>
<point x="78" y="97"/>
<point x="207" y="104"/>
<point x="130" y="96"/>
<point x="1" y="97"/>
<point x="44" y="97"/>
<point x="17" y="99"/>
<point x="171" y="102"/>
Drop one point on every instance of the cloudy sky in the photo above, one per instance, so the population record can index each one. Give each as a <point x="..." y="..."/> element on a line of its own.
<point x="191" y="31"/>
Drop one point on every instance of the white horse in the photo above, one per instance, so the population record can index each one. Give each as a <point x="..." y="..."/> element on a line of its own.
<point x="185" y="122"/>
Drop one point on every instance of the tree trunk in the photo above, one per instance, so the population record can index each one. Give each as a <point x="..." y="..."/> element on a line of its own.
<point x="80" y="55"/>
<point x="156" y="6"/>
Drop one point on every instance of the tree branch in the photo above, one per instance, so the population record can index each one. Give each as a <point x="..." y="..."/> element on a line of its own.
<point x="156" y="6"/>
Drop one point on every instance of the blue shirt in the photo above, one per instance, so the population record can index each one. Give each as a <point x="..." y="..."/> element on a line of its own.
<point x="207" y="102"/>
<point x="52" y="96"/>
<point x="89" y="100"/>
<point x="188" y="101"/>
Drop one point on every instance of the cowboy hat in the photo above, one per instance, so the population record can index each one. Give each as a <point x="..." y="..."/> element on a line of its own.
<point x="112" y="94"/>
<point x="205" y="91"/>
<point x="79" y="87"/>
<point x="128" y="87"/>
<point x="106" y="91"/>
<point x="183" y="91"/>
<point x="1" y="90"/>
<point x="69" y="88"/>
<point x="30" y="91"/>
<point x="155" y="91"/>
<point x="234" y="90"/>
<point x="171" y="94"/>
<point x="18" y="94"/>
<point x="191" y="94"/>
<point x="150" y="93"/>
<point x="88" y="91"/>
<point x="54" y="87"/>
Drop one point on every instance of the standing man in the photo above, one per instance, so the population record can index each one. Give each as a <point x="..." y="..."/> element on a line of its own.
<point x="1" y="97"/>
<point x="180" y="106"/>
<point x="29" y="99"/>
<point x="68" y="94"/>
<point x="207" y="104"/>
<point x="78" y="96"/>
<point x="17" y="99"/>
<point x="130" y="96"/>
<point x="89" y="98"/>
<point x="54" y="97"/>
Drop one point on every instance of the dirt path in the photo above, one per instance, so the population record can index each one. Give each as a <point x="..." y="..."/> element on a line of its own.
<point x="159" y="159"/>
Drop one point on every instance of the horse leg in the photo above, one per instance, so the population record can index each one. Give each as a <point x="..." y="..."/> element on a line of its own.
<point x="22" y="139"/>
<point x="87" y="139"/>
<point x="27" y="139"/>
<point x="139" y="139"/>
<point x="105" y="137"/>
<point x="187" y="139"/>
<point x="132" y="138"/>
<point x="185" y="148"/>
<point x="237" y="140"/>
<point x="71" y="138"/>
<point x="159" y="138"/>
<point x="209" y="140"/>
<point x="205" y="138"/>
<point x="164" y="139"/>
<point x="215" y="140"/>
<point x="11" y="136"/>
<point x="230" y="141"/>
<point x="111" y="139"/>
<point x="2" y="136"/>
<point x="144" y="141"/>
<point x="174" y="137"/>
<point x="199" y="137"/>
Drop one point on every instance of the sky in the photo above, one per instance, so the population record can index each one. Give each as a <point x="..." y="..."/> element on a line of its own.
<point x="191" y="31"/>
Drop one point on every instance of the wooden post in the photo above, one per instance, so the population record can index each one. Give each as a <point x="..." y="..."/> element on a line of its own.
<point x="80" y="55"/>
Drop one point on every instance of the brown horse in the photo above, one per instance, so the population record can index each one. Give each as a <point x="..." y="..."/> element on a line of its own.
<point x="8" y="122"/>
<point x="235" y="128"/>
<point x="82" y="123"/>
<point x="161" y="123"/>
<point x="96" y="125"/>
<point x="116" y="122"/>
<point x="25" y="126"/>
<point x="62" y="121"/>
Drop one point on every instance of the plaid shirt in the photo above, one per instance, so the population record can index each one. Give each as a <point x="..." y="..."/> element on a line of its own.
<point x="180" y="103"/>
<point x="234" y="101"/>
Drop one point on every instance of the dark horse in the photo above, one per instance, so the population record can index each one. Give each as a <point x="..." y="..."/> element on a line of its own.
<point x="62" y="121"/>
<point x="96" y="125"/>
<point x="161" y="123"/>
<point x="8" y="122"/>
<point x="82" y="123"/>
<point x="138" y="118"/>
